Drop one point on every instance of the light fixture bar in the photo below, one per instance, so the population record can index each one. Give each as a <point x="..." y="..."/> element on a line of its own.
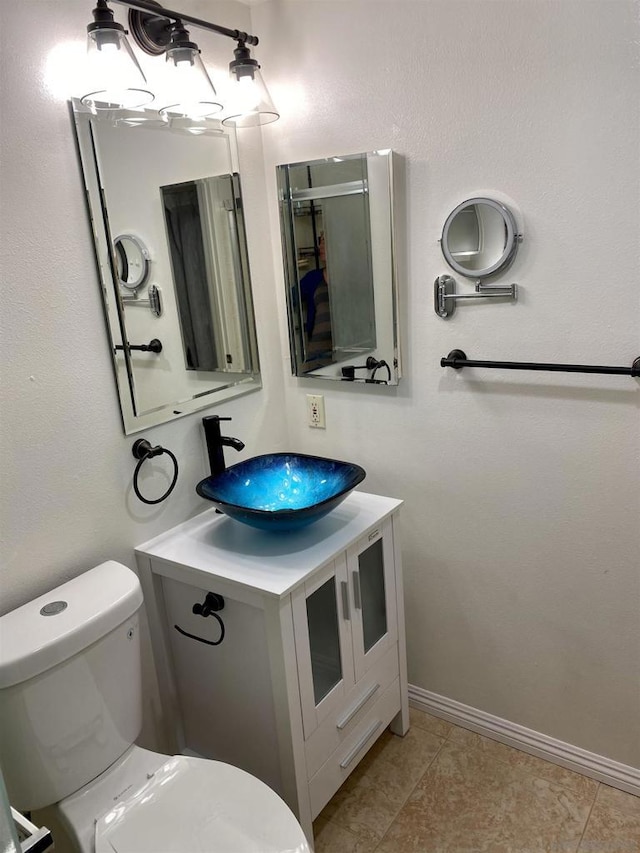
<point x="155" y="9"/>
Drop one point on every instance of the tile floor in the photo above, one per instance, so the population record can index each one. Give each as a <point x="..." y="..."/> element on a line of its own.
<point x="443" y="788"/>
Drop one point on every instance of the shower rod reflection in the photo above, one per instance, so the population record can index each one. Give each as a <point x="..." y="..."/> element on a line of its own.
<point x="458" y="359"/>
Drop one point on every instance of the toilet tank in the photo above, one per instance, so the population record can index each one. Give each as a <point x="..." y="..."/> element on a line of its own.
<point x="70" y="685"/>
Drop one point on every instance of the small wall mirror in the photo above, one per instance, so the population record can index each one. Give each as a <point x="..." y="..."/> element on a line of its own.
<point x="132" y="261"/>
<point x="176" y="183"/>
<point x="337" y="223"/>
<point x="480" y="238"/>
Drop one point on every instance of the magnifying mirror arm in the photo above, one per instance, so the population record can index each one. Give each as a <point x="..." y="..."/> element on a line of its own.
<point x="153" y="303"/>
<point x="445" y="296"/>
<point x="483" y="289"/>
<point x="510" y="291"/>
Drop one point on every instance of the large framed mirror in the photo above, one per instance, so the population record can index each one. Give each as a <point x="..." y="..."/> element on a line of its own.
<point x="339" y="246"/>
<point x="166" y="213"/>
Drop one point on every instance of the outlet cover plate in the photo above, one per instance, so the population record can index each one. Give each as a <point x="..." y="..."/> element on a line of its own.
<point x="315" y="411"/>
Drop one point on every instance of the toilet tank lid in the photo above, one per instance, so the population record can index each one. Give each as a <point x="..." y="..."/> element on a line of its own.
<point x="54" y="627"/>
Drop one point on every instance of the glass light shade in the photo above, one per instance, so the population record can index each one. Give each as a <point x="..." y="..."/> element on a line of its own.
<point x="140" y="118"/>
<point x="250" y="103"/>
<point x="116" y="79"/>
<point x="189" y="91"/>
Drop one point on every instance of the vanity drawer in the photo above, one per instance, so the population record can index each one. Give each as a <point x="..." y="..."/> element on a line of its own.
<point x="344" y="759"/>
<point x="339" y="725"/>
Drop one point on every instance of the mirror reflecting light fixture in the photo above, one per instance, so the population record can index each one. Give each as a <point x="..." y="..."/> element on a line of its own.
<point x="191" y="92"/>
<point x="187" y="91"/>
<point x="116" y="79"/>
<point x="250" y="104"/>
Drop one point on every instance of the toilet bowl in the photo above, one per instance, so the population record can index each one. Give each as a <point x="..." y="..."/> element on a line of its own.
<point x="70" y="711"/>
<point x="178" y="804"/>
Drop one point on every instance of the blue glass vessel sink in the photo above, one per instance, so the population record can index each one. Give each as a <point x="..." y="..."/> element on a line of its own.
<point x="281" y="491"/>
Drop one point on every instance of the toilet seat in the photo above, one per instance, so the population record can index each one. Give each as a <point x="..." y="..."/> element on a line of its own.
<point x="193" y="805"/>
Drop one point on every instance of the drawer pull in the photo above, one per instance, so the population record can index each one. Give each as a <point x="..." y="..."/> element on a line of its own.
<point x="357" y="598"/>
<point x="373" y="535"/>
<point x="366" y="737"/>
<point x="344" y="722"/>
<point x="345" y="599"/>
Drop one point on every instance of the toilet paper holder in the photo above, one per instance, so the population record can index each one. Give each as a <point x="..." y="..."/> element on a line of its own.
<point x="209" y="607"/>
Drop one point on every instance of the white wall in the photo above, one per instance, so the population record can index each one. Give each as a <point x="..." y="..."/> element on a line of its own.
<point x="522" y="490"/>
<point x="67" y="500"/>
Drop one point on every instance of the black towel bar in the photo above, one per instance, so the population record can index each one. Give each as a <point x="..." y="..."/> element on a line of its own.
<point x="458" y="359"/>
<point x="153" y="346"/>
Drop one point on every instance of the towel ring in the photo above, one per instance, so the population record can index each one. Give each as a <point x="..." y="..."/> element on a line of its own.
<point x="142" y="450"/>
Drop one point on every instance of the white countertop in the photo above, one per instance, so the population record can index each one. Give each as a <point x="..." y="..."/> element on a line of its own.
<point x="271" y="563"/>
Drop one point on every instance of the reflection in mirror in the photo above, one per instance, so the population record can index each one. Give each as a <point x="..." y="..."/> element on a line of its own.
<point x="337" y="223"/>
<point x="177" y="184"/>
<point x="200" y="218"/>
<point x="480" y="238"/>
<point x="132" y="261"/>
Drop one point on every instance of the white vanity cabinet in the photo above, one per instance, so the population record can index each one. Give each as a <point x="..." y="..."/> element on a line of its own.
<point x="312" y="667"/>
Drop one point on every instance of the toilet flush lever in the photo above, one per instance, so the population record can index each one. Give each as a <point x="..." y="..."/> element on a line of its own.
<point x="212" y="603"/>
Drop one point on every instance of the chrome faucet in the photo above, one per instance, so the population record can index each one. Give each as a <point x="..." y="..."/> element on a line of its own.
<point x="216" y="441"/>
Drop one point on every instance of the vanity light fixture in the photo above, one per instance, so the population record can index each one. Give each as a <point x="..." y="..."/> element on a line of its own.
<point x="116" y="79"/>
<point x="160" y="31"/>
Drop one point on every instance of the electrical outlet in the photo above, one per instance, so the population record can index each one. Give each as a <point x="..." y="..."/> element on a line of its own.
<point x="315" y="411"/>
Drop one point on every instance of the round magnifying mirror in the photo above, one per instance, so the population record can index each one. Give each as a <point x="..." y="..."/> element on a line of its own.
<point x="480" y="238"/>
<point x="132" y="261"/>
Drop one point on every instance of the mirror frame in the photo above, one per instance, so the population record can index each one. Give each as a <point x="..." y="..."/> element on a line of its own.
<point x="512" y="240"/>
<point x="114" y="298"/>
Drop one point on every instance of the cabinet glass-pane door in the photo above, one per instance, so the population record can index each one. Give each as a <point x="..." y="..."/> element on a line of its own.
<point x="372" y="594"/>
<point x="324" y="639"/>
<point x="372" y="578"/>
<point x="324" y="649"/>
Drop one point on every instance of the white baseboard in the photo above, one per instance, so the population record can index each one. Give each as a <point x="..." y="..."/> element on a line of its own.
<point x="556" y="751"/>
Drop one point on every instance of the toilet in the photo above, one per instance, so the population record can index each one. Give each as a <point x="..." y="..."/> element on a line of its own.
<point x="70" y="712"/>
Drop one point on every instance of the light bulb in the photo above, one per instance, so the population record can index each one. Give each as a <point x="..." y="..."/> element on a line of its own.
<point x="107" y="41"/>
<point x="247" y="93"/>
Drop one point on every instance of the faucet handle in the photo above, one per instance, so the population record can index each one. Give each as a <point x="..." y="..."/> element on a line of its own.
<point x="214" y="418"/>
